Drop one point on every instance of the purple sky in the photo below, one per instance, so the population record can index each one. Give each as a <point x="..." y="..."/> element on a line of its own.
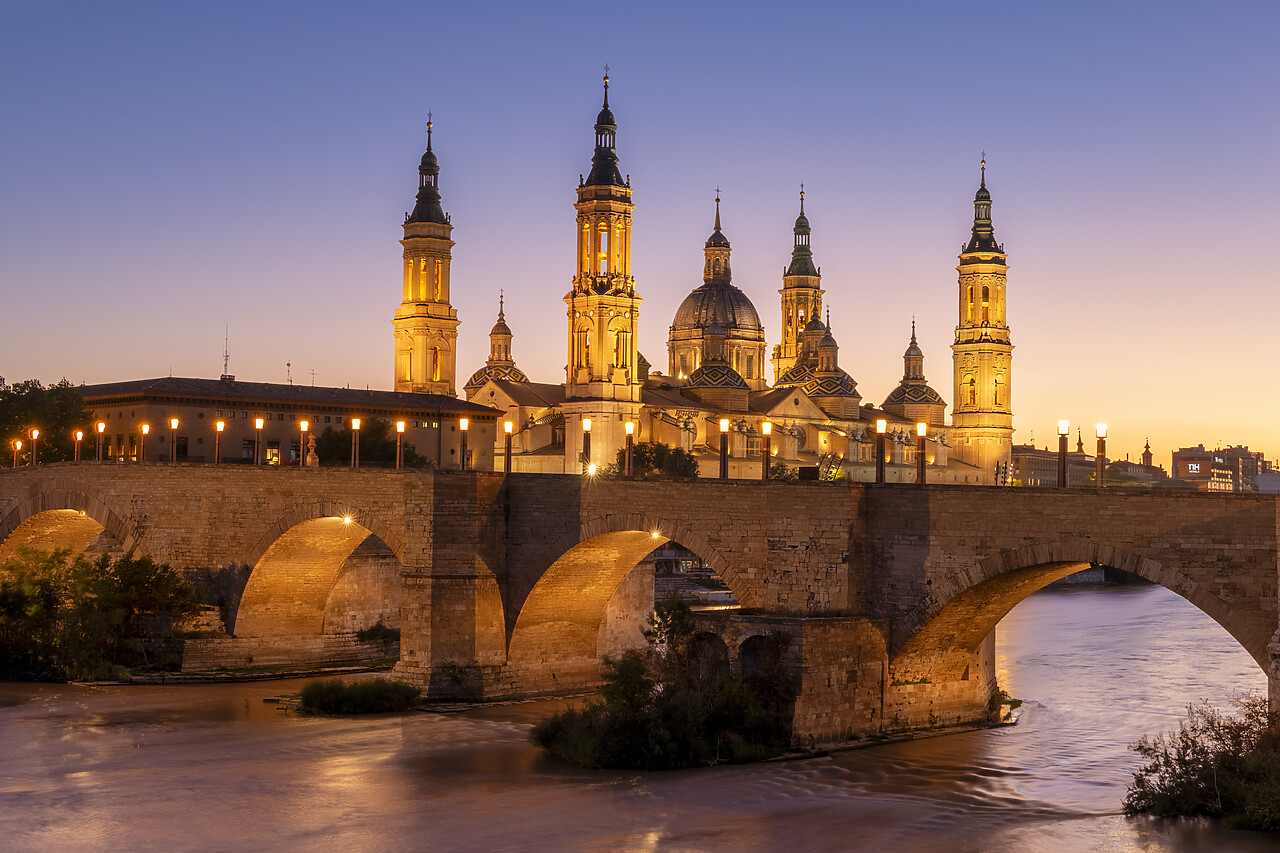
<point x="170" y="169"/>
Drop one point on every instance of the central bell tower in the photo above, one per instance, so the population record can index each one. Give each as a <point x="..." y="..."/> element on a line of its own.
<point x="982" y="412"/>
<point x="602" y="376"/>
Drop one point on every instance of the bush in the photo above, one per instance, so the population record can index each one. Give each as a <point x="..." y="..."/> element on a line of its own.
<point x="64" y="617"/>
<point x="378" y="633"/>
<point x="654" y="459"/>
<point x="372" y="696"/>
<point x="1214" y="765"/>
<point x="670" y="706"/>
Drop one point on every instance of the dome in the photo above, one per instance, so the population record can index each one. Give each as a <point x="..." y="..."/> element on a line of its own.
<point x="717" y="240"/>
<point x="606" y="118"/>
<point x="828" y="340"/>
<point x="717" y="375"/>
<point x="913" y="350"/>
<point x="500" y="327"/>
<point x="914" y="393"/>
<point x="488" y="372"/>
<point x="798" y="375"/>
<point x="717" y="303"/>
<point x="430" y="165"/>
<point x="838" y="384"/>
<point x="815" y="325"/>
<point x="802" y="224"/>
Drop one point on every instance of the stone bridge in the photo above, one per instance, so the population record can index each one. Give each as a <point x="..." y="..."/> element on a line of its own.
<point x="886" y="596"/>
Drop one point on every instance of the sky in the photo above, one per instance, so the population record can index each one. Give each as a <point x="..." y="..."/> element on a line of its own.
<point x="173" y="173"/>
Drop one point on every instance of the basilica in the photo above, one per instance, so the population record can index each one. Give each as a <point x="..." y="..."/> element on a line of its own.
<point x="813" y="413"/>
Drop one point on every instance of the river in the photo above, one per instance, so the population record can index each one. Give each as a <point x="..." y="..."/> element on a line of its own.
<point x="211" y="767"/>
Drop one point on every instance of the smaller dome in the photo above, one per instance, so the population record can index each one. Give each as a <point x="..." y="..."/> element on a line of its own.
<point x="500" y="327"/>
<point x="798" y="375"/>
<point x="488" y="372"/>
<point x="430" y="165"/>
<point x="717" y="240"/>
<point x="802" y="224"/>
<point x="606" y="118"/>
<point x="914" y="393"/>
<point x="717" y="375"/>
<point x="839" y="384"/>
<point x="815" y="324"/>
<point x="913" y="350"/>
<point x="828" y="340"/>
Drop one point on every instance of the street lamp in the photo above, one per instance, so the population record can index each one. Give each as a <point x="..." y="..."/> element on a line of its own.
<point x="462" y="425"/>
<point x="17" y="448"/>
<point x="35" y="448"/>
<point x="101" y="429"/>
<point x="355" y="442"/>
<point x="257" y="442"/>
<point x="1063" y="428"/>
<point x="79" y="438"/>
<point x="766" y="458"/>
<point x="921" y="428"/>
<point x="217" y="441"/>
<point x="142" y="447"/>
<point x="399" y="443"/>
<point x="586" y="444"/>
<point x="506" y="467"/>
<point x="631" y="437"/>
<point x="302" y="443"/>
<point x="173" y="439"/>
<point x="1100" y="473"/>
<point x="881" y="427"/>
<point x="724" y="448"/>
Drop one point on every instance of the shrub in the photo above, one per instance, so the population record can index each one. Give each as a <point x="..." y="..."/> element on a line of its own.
<point x="378" y="633"/>
<point x="1214" y="765"/>
<point x="654" y="459"/>
<point x="371" y="696"/>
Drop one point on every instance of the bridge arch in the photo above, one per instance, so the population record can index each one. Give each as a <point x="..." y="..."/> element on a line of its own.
<point x="937" y="641"/>
<point x="555" y="614"/>
<point x="297" y="566"/>
<point x="64" y="514"/>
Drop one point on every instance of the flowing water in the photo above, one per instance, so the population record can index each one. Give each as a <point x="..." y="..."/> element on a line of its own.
<point x="211" y="767"/>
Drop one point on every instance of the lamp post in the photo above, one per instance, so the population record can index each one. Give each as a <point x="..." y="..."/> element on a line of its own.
<point x="355" y="442"/>
<point x="173" y="439"/>
<point x="767" y="456"/>
<point x="506" y="463"/>
<point x="462" y="426"/>
<point x="1063" y="428"/>
<point x="17" y="448"/>
<point x="399" y="444"/>
<point x="1100" y="473"/>
<point x="142" y="447"/>
<point x="79" y="438"/>
<point x="257" y="442"/>
<point x="881" y="427"/>
<point x="631" y="437"/>
<point x="217" y="441"/>
<point x="921" y="428"/>
<point x="35" y="448"/>
<point x="724" y="448"/>
<point x="303" y="426"/>
<point x="586" y="445"/>
<point x="101" y="429"/>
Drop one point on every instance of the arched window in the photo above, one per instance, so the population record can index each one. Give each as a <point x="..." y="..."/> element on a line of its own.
<point x="621" y="350"/>
<point x="439" y="280"/>
<point x="435" y="364"/>
<point x="999" y="398"/>
<point x="973" y="392"/>
<point x="968" y="315"/>
<point x="986" y="311"/>
<point x="582" y="347"/>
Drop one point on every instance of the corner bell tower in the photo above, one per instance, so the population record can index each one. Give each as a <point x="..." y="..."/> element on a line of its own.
<point x="602" y="380"/>
<point x="426" y="324"/>
<point x="982" y="413"/>
<point x="801" y="296"/>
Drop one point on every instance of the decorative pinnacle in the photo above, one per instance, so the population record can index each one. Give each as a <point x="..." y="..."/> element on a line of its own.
<point x="429" y="126"/>
<point x="606" y="86"/>
<point x="984" y="168"/>
<point x="717" y="208"/>
<point x="913" y="328"/>
<point x="499" y="303"/>
<point x="802" y="198"/>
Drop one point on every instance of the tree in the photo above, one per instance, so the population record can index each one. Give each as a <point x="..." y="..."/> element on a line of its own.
<point x="377" y="446"/>
<point x="57" y="411"/>
<point x="654" y="459"/>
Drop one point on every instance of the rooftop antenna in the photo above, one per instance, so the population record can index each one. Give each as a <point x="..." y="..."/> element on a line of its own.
<point x="288" y="372"/>
<point x="313" y="377"/>
<point x="226" y="354"/>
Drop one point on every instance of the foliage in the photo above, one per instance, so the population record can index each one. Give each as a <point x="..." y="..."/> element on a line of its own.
<point x="57" y="411"/>
<point x="1214" y="765"/>
<point x="377" y="446"/>
<point x="779" y="471"/>
<point x="70" y="618"/>
<point x="654" y="459"/>
<point x="378" y="633"/>
<point x="675" y="705"/>
<point x="371" y="696"/>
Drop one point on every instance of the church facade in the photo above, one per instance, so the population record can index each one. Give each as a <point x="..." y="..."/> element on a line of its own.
<point x="716" y="356"/>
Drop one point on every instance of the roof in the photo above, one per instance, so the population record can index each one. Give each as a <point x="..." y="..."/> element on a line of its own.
<point x="531" y="393"/>
<point x="717" y="302"/>
<point x="270" y="392"/>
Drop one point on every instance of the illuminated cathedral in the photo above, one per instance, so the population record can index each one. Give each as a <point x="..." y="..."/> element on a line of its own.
<point x="716" y="356"/>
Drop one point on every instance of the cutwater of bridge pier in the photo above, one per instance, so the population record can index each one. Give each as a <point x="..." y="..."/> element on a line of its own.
<point x="885" y="597"/>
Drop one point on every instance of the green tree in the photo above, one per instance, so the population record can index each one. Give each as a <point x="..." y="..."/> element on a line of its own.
<point x="779" y="471"/>
<point x="654" y="459"/>
<point x="377" y="446"/>
<point x="57" y="411"/>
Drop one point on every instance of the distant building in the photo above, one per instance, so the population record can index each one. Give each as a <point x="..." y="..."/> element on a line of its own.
<point x="432" y="421"/>
<point x="1208" y="470"/>
<point x="1033" y="466"/>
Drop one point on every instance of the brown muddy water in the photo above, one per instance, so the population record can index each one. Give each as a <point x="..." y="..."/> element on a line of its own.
<point x="211" y="767"/>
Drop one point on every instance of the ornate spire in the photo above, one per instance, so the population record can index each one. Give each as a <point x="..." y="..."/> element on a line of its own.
<point x="427" y="208"/>
<point x="801" y="253"/>
<point x="984" y="237"/>
<point x="717" y="240"/>
<point x="604" y="165"/>
<point x="717" y="208"/>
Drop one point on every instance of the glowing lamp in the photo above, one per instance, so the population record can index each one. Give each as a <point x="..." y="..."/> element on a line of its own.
<point x="303" y="425"/>
<point x="724" y="424"/>
<point x="399" y="426"/>
<point x="79" y="435"/>
<point x="506" y="427"/>
<point x="146" y="428"/>
<point x="220" y="426"/>
<point x="882" y="426"/>
<point x="586" y="424"/>
<point x="591" y="469"/>
<point x="101" y="427"/>
<point x="258" y="423"/>
<point x="355" y="423"/>
<point x="1102" y="430"/>
<point x="173" y="423"/>
<point x="921" y="429"/>
<point x="766" y="428"/>
<point x="35" y="433"/>
<point x="631" y="428"/>
<point x="1063" y="427"/>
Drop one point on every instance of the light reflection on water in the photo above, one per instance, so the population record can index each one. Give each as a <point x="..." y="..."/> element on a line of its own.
<point x="212" y="767"/>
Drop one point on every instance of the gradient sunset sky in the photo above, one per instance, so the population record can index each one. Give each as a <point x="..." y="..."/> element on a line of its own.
<point x="168" y="170"/>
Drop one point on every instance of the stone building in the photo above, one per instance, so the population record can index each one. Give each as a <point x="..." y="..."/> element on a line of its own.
<point x="716" y="352"/>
